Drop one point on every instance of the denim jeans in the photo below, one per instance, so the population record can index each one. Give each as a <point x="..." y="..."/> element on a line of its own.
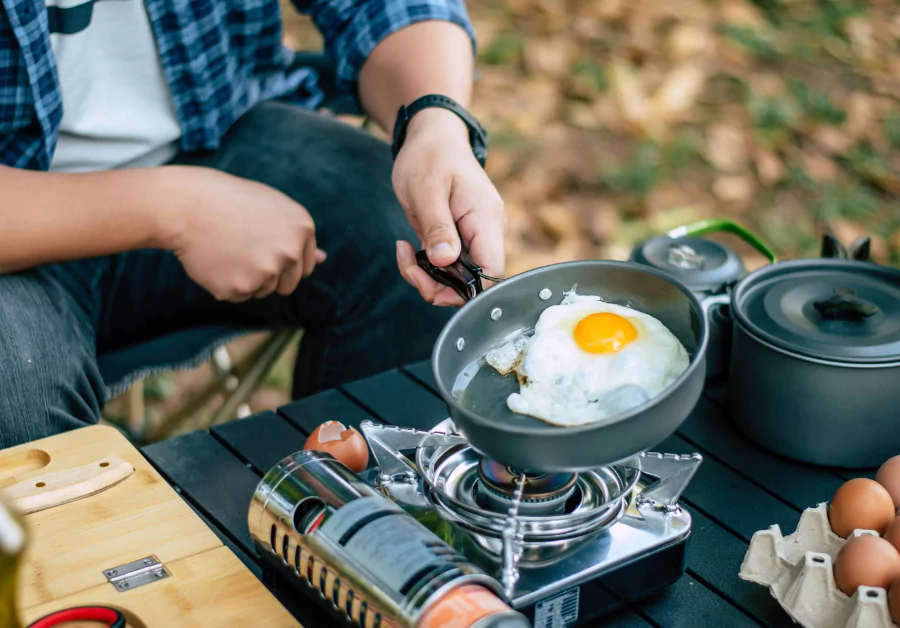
<point x="60" y="323"/>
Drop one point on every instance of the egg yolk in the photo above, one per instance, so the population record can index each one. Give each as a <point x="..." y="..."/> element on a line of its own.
<point x="604" y="332"/>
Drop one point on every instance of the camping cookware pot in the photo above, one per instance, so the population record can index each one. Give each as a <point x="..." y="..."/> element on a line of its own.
<point x="514" y="305"/>
<point x="709" y="269"/>
<point x="815" y="365"/>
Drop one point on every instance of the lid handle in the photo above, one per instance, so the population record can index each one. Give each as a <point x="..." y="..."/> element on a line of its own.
<point x="703" y="227"/>
<point x="860" y="250"/>
<point x="844" y="305"/>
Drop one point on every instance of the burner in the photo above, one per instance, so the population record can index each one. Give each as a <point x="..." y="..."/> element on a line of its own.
<point x="544" y="494"/>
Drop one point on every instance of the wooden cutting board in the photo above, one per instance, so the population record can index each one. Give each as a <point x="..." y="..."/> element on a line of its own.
<point x="127" y="515"/>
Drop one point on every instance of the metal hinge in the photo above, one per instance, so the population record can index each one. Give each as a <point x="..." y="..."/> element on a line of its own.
<point x="136" y="574"/>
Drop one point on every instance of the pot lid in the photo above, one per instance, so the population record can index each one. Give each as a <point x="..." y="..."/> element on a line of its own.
<point x="701" y="265"/>
<point x="828" y="309"/>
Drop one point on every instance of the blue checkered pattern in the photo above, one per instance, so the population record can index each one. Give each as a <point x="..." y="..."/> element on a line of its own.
<point x="220" y="57"/>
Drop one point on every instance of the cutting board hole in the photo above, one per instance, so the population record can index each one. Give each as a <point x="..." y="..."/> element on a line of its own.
<point x="23" y="462"/>
<point x="104" y="464"/>
<point x="41" y="484"/>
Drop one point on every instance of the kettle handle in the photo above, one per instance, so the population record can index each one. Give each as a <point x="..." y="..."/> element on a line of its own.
<point x="724" y="226"/>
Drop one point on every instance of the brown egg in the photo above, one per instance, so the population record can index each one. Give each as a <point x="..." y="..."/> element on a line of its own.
<point x="346" y="444"/>
<point x="892" y="533"/>
<point x="866" y="560"/>
<point x="894" y="601"/>
<point x="860" y="504"/>
<point x="889" y="477"/>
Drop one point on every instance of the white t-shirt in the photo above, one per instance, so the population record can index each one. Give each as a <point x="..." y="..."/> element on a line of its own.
<point x="117" y="108"/>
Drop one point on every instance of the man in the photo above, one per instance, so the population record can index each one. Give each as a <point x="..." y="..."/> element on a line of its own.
<point x="151" y="183"/>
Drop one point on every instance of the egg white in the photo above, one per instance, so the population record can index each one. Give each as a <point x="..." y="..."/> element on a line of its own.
<point x="562" y="384"/>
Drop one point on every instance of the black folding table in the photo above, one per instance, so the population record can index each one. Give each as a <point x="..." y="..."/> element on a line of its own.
<point x="739" y="489"/>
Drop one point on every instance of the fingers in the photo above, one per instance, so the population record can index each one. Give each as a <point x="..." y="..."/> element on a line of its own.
<point x="309" y="254"/>
<point x="289" y="280"/>
<point x="291" y="277"/>
<point x="483" y="225"/>
<point x="267" y="288"/>
<point x="415" y="276"/>
<point x="432" y="210"/>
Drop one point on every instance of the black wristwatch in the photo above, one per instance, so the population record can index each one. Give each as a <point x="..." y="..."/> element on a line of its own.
<point x="477" y="136"/>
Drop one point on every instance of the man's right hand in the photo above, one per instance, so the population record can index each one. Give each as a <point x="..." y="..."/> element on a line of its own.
<point x="237" y="238"/>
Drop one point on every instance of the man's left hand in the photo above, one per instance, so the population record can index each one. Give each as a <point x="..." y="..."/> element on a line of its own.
<point x="445" y="193"/>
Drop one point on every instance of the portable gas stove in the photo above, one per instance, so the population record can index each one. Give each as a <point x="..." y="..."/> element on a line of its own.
<point x="561" y="549"/>
<point x="565" y="547"/>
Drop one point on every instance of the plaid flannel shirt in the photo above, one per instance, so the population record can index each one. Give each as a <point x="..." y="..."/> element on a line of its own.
<point x="220" y="57"/>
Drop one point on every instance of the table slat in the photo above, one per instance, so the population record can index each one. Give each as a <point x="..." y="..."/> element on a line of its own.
<point x="729" y="499"/>
<point x="397" y="399"/>
<point x="308" y="413"/>
<point x="689" y="604"/>
<point x="625" y="618"/>
<point x="422" y="373"/>
<point x="715" y="556"/>
<point x="211" y="477"/>
<point x="262" y="440"/>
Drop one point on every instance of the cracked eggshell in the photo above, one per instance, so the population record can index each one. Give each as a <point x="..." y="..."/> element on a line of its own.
<point x="347" y="445"/>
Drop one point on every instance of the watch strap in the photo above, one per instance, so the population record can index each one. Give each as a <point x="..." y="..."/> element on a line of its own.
<point x="477" y="135"/>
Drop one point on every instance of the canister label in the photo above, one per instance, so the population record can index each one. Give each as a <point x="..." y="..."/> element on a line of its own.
<point x="398" y="549"/>
<point x="349" y="516"/>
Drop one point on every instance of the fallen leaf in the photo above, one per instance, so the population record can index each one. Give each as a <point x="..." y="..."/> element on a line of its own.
<point x="532" y="105"/>
<point x="676" y="216"/>
<point x="766" y="84"/>
<point x="607" y="9"/>
<point x="552" y="15"/>
<point x="895" y="242"/>
<point x="501" y="163"/>
<point x="676" y="97"/>
<point x="626" y="85"/>
<point x="581" y="115"/>
<point x="726" y="147"/>
<point x="769" y="167"/>
<point x="604" y="221"/>
<point x="559" y="222"/>
<point x="548" y="56"/>
<point x="619" y="251"/>
<point x="860" y="115"/>
<point x="859" y="31"/>
<point x="818" y="166"/>
<point x="641" y="40"/>
<point x="689" y="41"/>
<point x="831" y="140"/>
<point x="519" y="218"/>
<point x="741" y="13"/>
<point x="737" y="189"/>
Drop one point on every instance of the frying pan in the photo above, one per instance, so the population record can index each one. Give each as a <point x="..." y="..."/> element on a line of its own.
<point x="490" y="317"/>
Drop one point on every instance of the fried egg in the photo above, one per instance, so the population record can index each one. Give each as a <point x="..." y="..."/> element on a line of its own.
<point x="589" y="360"/>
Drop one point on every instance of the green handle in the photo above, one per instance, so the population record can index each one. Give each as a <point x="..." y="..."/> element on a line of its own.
<point x="726" y="226"/>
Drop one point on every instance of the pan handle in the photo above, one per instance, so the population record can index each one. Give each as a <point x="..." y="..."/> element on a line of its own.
<point x="463" y="275"/>
<point x="726" y="226"/>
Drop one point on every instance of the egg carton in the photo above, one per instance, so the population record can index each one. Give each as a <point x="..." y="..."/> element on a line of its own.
<point x="798" y="571"/>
